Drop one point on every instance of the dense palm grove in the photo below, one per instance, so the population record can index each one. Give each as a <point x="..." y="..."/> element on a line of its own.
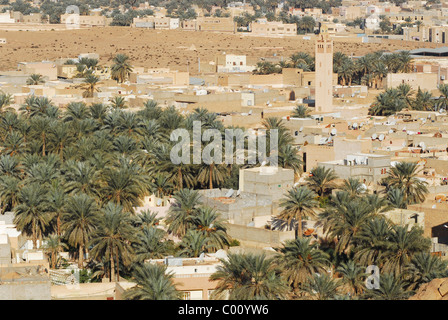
<point x="74" y="177"/>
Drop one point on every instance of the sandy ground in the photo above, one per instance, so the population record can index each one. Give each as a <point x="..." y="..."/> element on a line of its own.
<point x="157" y="48"/>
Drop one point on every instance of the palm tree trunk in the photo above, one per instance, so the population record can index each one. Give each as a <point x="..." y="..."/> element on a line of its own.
<point x="211" y="176"/>
<point x="112" y="267"/>
<point x="43" y="145"/>
<point x="58" y="225"/>
<point x="299" y="226"/>
<point x="118" y="266"/>
<point x="81" y="256"/>
<point x="179" y="177"/>
<point x="34" y="236"/>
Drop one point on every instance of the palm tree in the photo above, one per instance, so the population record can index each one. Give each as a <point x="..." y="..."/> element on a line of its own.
<point x="208" y="222"/>
<point x="425" y="267"/>
<point x="354" y="187"/>
<point x="56" y="199"/>
<point x="5" y="100"/>
<point x="249" y="277"/>
<point x="289" y="158"/>
<point x="321" y="180"/>
<point x="396" y="198"/>
<point x="423" y="101"/>
<point x="299" y="202"/>
<point x="9" y="192"/>
<point x="35" y="79"/>
<point x="10" y="166"/>
<point x="212" y="173"/>
<point x="153" y="283"/>
<point x="391" y="288"/>
<point x="125" y="186"/>
<point x="404" y="177"/>
<point x="307" y="24"/>
<point x="298" y="259"/>
<point x="193" y="244"/>
<point x="32" y="215"/>
<point x="387" y="103"/>
<point x="121" y="68"/>
<point x="112" y="238"/>
<point x="407" y="93"/>
<point x="443" y="99"/>
<point x="80" y="222"/>
<point x="321" y="287"/>
<point x="82" y="177"/>
<point x="372" y="242"/>
<point x="60" y="136"/>
<point x="181" y="212"/>
<point x="402" y="246"/>
<point x="53" y="246"/>
<point x="344" y="220"/>
<point x="150" y="244"/>
<point x="352" y="278"/>
<point x="146" y="218"/>
<point x="161" y="185"/>
<point x="405" y="61"/>
<point x="41" y="127"/>
<point x="274" y="123"/>
<point x="89" y="85"/>
<point x="301" y="111"/>
<point x="118" y="102"/>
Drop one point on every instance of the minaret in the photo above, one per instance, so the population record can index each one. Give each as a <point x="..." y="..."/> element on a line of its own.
<point x="324" y="74"/>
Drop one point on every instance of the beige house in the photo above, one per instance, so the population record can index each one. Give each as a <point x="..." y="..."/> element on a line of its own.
<point x="422" y="80"/>
<point x="85" y="21"/>
<point x="273" y="28"/>
<point x="216" y="24"/>
<point x="47" y="69"/>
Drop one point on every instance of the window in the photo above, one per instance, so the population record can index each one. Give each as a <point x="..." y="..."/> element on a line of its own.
<point x="185" y="295"/>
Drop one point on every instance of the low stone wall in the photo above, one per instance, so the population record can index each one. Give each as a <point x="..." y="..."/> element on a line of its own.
<point x="257" y="237"/>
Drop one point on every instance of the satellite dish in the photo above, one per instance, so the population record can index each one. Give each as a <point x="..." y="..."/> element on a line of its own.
<point x="422" y="145"/>
<point x="334" y="131"/>
<point x="250" y="112"/>
<point x="391" y="131"/>
<point x="355" y="125"/>
<point x="374" y="136"/>
<point x="301" y="129"/>
<point x="238" y="192"/>
<point x="263" y="163"/>
<point x="434" y="206"/>
<point x="229" y="193"/>
<point x="359" y="137"/>
<point x="381" y="137"/>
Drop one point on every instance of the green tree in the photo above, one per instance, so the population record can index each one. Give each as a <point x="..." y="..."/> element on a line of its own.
<point x="32" y="215"/>
<point x="112" y="238"/>
<point x="299" y="203"/>
<point x="121" y="68"/>
<point x="79" y="223"/>
<point x="153" y="283"/>
<point x="249" y="277"/>
<point x="298" y="259"/>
